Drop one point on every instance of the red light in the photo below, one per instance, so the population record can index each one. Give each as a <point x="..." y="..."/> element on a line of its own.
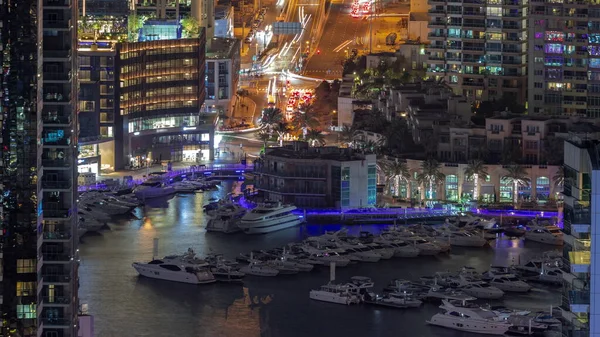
<point x="318" y="51"/>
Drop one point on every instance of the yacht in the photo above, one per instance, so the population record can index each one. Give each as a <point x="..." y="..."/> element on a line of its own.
<point x="545" y="234"/>
<point x="335" y="293"/>
<point x="385" y="251"/>
<point x="103" y="207"/>
<point x="482" y="290"/>
<point x="361" y="253"/>
<point x="269" y="217"/>
<point x="88" y="212"/>
<point x="328" y="257"/>
<point x="90" y="225"/>
<point x="226" y="273"/>
<point x="401" y="248"/>
<point x="441" y="293"/>
<point x="551" y="275"/>
<point x="464" y="239"/>
<point x="283" y="267"/>
<point x="257" y="268"/>
<point x="398" y="300"/>
<point x="176" y="270"/>
<point x="511" y="283"/>
<point x="153" y="189"/>
<point x="225" y="218"/>
<point x="424" y="246"/>
<point x="475" y="320"/>
<point x="184" y="187"/>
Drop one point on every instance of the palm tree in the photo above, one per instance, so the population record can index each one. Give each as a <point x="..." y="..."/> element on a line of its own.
<point x="371" y="146"/>
<point x="264" y="137"/>
<point x="476" y="170"/>
<point x="282" y="128"/>
<point x="270" y="118"/>
<point x="315" y="137"/>
<point x="394" y="171"/>
<point x="430" y="174"/>
<point x="559" y="177"/>
<point x="304" y="121"/>
<point x="347" y="134"/>
<point x="516" y="175"/>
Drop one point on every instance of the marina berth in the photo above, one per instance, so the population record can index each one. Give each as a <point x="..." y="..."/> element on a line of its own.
<point x="475" y="320"/>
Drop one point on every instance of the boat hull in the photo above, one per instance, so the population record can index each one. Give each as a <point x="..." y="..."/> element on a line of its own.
<point x="264" y="227"/>
<point x="223" y="226"/>
<point x="167" y="275"/>
<point x="325" y="296"/>
<point x="262" y="271"/>
<point x="475" y="326"/>
<point x="546" y="239"/>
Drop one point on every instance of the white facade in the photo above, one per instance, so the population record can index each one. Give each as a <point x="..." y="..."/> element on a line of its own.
<point x="222" y="74"/>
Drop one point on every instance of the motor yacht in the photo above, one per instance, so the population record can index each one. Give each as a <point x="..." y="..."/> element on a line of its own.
<point x="475" y="320"/>
<point x="398" y="300"/>
<point x="90" y="224"/>
<point x="81" y="231"/>
<point x="510" y="283"/>
<point x="328" y="257"/>
<point x="88" y="212"/>
<point x="226" y="218"/>
<point x="385" y="251"/>
<point x="361" y="254"/>
<point x="226" y="273"/>
<point x="283" y="267"/>
<point x="442" y="293"/>
<point x="153" y="189"/>
<point x="184" y="187"/>
<point x="258" y="268"/>
<point x="424" y="246"/>
<point x="463" y="238"/>
<point x="104" y="207"/>
<point x="335" y="293"/>
<point x="482" y="290"/>
<point x="551" y="275"/>
<point x="269" y="217"/>
<point x="176" y="270"/>
<point x="551" y="235"/>
<point x="400" y="247"/>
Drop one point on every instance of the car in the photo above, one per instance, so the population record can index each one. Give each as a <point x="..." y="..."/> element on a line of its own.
<point x="263" y="11"/>
<point x="248" y="39"/>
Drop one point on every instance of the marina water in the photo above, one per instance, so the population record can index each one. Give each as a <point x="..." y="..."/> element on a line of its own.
<point x="124" y="304"/>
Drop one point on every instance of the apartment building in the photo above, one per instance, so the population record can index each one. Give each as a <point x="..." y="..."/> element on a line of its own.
<point x="320" y="177"/>
<point x="479" y="47"/>
<point x="38" y="175"/>
<point x="564" y="58"/>
<point x="222" y="74"/>
<point x="582" y="175"/>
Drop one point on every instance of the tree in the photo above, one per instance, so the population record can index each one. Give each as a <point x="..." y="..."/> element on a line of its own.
<point x="243" y="93"/>
<point x="190" y="27"/>
<point x="315" y="137"/>
<point x="134" y="24"/>
<point x="476" y="170"/>
<point x="394" y="172"/>
<point x="270" y="117"/>
<point x="304" y="120"/>
<point x="264" y="137"/>
<point x="430" y="175"/>
<point x="516" y="175"/>
<point x="282" y="128"/>
<point x="553" y="150"/>
<point x="347" y="135"/>
<point x="559" y="177"/>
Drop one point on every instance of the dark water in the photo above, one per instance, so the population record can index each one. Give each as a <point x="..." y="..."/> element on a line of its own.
<point x="125" y="305"/>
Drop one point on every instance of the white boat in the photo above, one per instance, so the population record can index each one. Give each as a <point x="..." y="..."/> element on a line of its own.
<point x="226" y="273"/>
<point x="361" y="254"/>
<point x="93" y="213"/>
<point x="269" y="217"/>
<point x="475" y="320"/>
<point x="176" y="270"/>
<point x="104" y="208"/>
<point x="551" y="235"/>
<point x="482" y="290"/>
<point x="257" y="268"/>
<point x="226" y="218"/>
<point x="183" y="187"/>
<point x="401" y="300"/>
<point x="328" y="257"/>
<point x="153" y="189"/>
<point x="283" y="267"/>
<point x="441" y="293"/>
<point x="81" y="231"/>
<point x="90" y="224"/>
<point x="510" y="283"/>
<point x="464" y="239"/>
<point x="425" y="247"/>
<point x="386" y="252"/>
<point x="551" y="275"/>
<point x="335" y="293"/>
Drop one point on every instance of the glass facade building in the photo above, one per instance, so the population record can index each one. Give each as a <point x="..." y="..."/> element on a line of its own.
<point x="39" y="230"/>
<point x="161" y="92"/>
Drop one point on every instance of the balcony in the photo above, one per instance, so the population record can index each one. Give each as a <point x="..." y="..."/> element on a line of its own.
<point x="57" y="213"/>
<point x="56" y="322"/>
<point x="56" y="163"/>
<point x="56" y="142"/>
<point x="59" y="55"/>
<point x="56" y="120"/>
<point x="56" y="300"/>
<point x="56" y="184"/>
<point x="56" y="77"/>
<point x="56" y="278"/>
<point x="54" y="4"/>
<point x="56" y="257"/>
<point x="56" y="236"/>
<point x="437" y="24"/>
<point x="56" y="98"/>
<point x="57" y="24"/>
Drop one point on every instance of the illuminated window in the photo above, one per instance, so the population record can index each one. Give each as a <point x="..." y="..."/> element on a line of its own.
<point x="25" y="288"/>
<point x="554" y="48"/>
<point x="26" y="311"/>
<point x="26" y="266"/>
<point x="555" y="36"/>
<point x="205" y="137"/>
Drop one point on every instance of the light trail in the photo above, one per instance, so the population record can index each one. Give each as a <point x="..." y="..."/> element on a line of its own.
<point x="342" y="45"/>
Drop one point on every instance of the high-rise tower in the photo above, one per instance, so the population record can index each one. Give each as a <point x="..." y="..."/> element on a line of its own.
<point x="38" y="246"/>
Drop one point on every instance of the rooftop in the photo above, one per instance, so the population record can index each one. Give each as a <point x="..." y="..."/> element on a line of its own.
<point x="223" y="48"/>
<point x="301" y="150"/>
<point x="221" y="12"/>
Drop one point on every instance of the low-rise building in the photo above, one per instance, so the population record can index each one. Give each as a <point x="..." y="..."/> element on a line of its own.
<point x="320" y="177"/>
<point x="222" y="74"/>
